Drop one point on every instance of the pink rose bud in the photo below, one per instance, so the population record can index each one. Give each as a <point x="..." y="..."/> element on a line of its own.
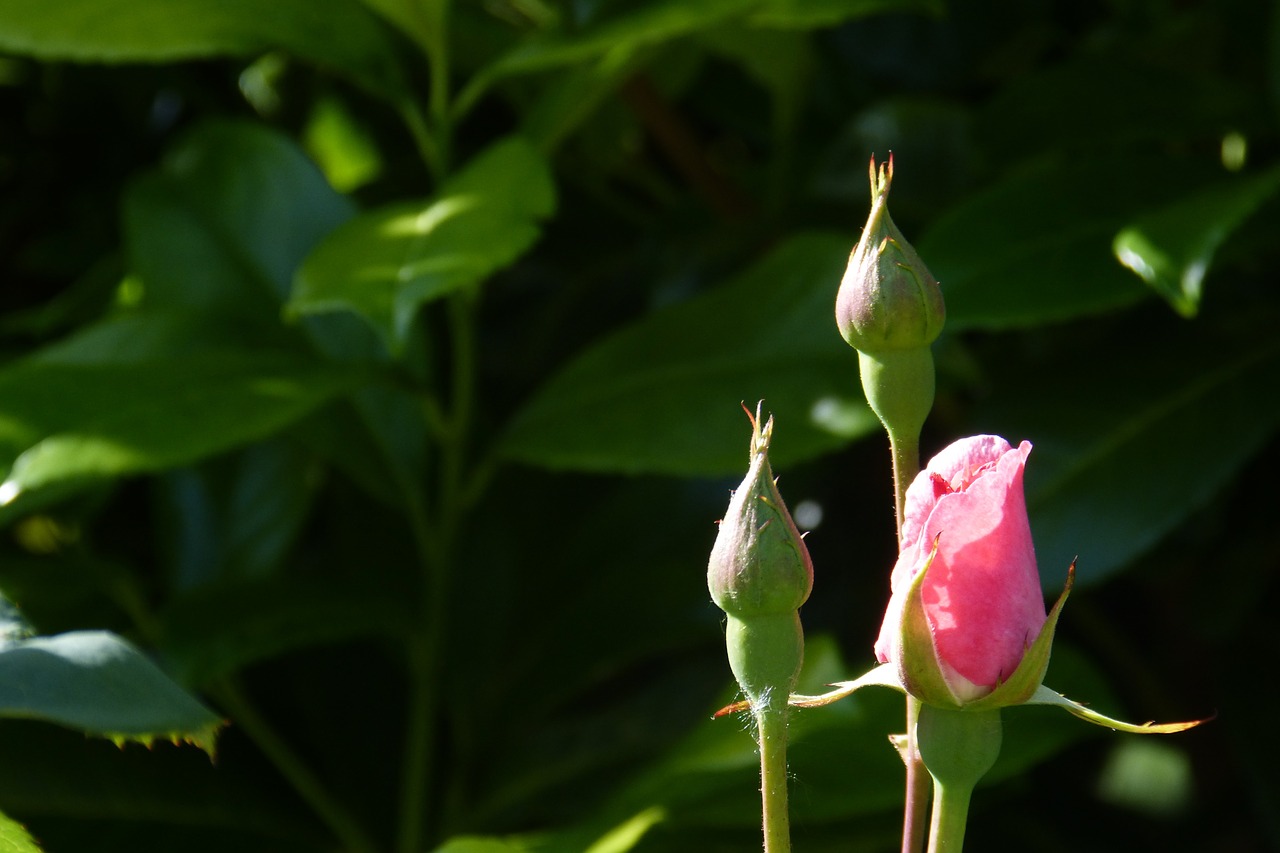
<point x="965" y="524"/>
<point x="888" y="299"/>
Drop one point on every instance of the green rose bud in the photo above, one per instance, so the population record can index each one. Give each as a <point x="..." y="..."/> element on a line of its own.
<point x="759" y="574"/>
<point x="888" y="299"/>
<point x="889" y="308"/>
<point x="759" y="564"/>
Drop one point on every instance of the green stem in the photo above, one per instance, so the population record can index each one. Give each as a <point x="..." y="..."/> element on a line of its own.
<point x="906" y="464"/>
<point x="771" y="722"/>
<point x="425" y="653"/>
<point x="950" y="814"/>
<point x="435" y="538"/>
<point x="427" y="142"/>
<point x="958" y="747"/>
<point x="340" y="822"/>
<point x="436" y="545"/>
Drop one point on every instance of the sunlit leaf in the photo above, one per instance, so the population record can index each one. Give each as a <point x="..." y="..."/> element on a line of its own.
<point x="386" y="263"/>
<point x="1172" y="248"/>
<point x="14" y="838"/>
<point x="96" y="682"/>
<point x="345" y="37"/>
<point x="68" y="417"/>
<point x="1036" y="247"/>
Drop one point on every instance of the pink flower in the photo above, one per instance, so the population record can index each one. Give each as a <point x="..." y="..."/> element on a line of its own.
<point x="981" y="596"/>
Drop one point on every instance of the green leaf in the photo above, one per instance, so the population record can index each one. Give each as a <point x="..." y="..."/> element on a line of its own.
<point x="213" y="632"/>
<point x="225" y="221"/>
<point x="811" y="14"/>
<point x="475" y="844"/>
<point x="68" y="417"/>
<point x="98" y="683"/>
<point x="645" y="24"/>
<point x="1172" y="248"/>
<point x="665" y="394"/>
<point x="221" y="229"/>
<point x="1130" y="439"/>
<point x="14" y="838"/>
<point x="416" y="19"/>
<point x="387" y="263"/>
<point x="1112" y="95"/>
<point x="1036" y="248"/>
<point x="340" y="34"/>
<point x="234" y="518"/>
<point x="616" y="40"/>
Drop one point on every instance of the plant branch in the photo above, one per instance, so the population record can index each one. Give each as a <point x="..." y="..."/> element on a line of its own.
<point x="771" y="723"/>
<point x="905" y="451"/>
<point x="340" y="822"/>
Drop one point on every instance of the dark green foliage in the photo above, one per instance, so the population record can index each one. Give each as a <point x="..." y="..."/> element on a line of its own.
<point x="371" y="366"/>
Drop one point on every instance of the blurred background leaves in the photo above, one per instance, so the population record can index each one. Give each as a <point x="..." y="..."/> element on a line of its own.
<point x="353" y="347"/>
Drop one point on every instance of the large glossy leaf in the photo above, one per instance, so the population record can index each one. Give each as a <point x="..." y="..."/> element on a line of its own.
<point x="1036" y="248"/>
<point x="14" y="838"/>
<point x="1172" y="248"/>
<point x="71" y="414"/>
<point x="645" y="24"/>
<point x="221" y="228"/>
<point x="1131" y="439"/>
<point x="665" y="394"/>
<point x="1108" y="96"/>
<point x="235" y="517"/>
<point x="385" y="264"/>
<point x="98" y="683"/>
<point x="226" y="219"/>
<point x="654" y="23"/>
<point x="340" y="34"/>
<point x="214" y="632"/>
<point x="808" y="14"/>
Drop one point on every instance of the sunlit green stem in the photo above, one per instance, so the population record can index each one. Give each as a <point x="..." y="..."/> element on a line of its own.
<point x="771" y="723"/>
<point x="958" y="747"/>
<point x="949" y="817"/>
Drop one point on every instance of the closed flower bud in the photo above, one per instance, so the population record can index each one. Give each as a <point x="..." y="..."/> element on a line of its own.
<point x="759" y="564"/>
<point x="966" y="605"/>
<point x="759" y="574"/>
<point x="888" y="299"/>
